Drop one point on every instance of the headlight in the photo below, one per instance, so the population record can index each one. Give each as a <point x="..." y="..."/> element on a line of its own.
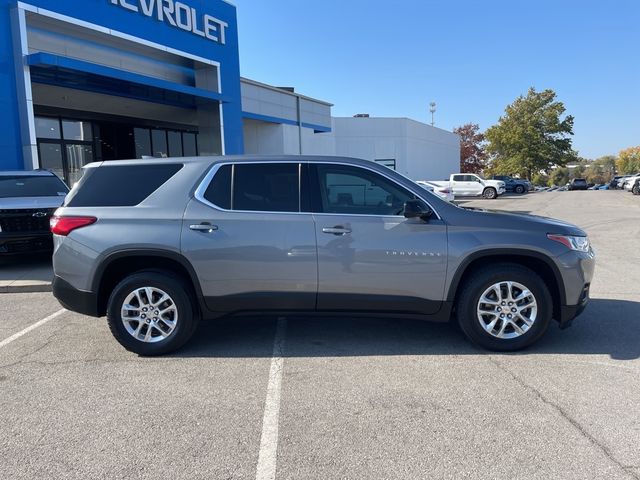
<point x="580" y="244"/>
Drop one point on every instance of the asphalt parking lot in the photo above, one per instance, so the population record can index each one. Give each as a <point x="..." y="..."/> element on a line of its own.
<point x="329" y="398"/>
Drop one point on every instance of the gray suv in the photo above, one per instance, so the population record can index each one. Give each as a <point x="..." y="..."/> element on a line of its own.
<point x="157" y="245"/>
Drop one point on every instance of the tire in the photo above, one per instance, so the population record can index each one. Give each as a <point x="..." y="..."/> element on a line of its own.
<point x="519" y="189"/>
<point x="490" y="193"/>
<point x="635" y="189"/>
<point x="174" y="327"/>
<point x="469" y="305"/>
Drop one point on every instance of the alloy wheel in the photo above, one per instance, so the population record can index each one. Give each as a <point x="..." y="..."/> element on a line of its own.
<point x="149" y="314"/>
<point x="507" y="310"/>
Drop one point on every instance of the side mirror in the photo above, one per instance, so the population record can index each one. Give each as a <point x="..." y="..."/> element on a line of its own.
<point x="415" y="209"/>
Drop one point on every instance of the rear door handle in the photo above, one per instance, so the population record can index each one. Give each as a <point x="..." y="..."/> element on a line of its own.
<point x="204" y="227"/>
<point x="337" y="230"/>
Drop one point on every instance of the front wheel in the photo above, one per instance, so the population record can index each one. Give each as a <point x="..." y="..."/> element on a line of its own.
<point x="506" y="307"/>
<point x="636" y="189"/>
<point x="150" y="313"/>
<point x="519" y="189"/>
<point x="490" y="193"/>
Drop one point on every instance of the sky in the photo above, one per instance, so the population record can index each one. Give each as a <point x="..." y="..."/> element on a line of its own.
<point x="473" y="58"/>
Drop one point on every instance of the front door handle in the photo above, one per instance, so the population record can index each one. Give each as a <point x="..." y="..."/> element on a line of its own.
<point x="337" y="230"/>
<point x="204" y="227"/>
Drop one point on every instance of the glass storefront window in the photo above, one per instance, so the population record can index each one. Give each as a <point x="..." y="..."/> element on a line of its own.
<point x="142" y="139"/>
<point x="51" y="158"/>
<point x="77" y="156"/>
<point x="175" y="144"/>
<point x="47" y="127"/>
<point x="189" y="144"/>
<point x="159" y="142"/>
<point x="77" y="130"/>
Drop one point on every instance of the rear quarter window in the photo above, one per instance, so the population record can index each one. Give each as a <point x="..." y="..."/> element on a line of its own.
<point x="120" y="185"/>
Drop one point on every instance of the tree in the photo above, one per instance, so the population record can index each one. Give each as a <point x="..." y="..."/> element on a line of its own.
<point x="628" y="161"/>
<point x="531" y="137"/>
<point x="601" y="170"/>
<point x="559" y="176"/>
<point x="472" y="148"/>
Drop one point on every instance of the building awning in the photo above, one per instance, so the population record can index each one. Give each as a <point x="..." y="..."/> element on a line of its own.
<point x="69" y="72"/>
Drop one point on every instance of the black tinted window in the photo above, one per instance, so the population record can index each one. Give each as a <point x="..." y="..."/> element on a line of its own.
<point x="268" y="187"/>
<point x="219" y="190"/>
<point x="120" y="185"/>
<point x="31" y="186"/>
<point x="352" y="190"/>
<point x="459" y="178"/>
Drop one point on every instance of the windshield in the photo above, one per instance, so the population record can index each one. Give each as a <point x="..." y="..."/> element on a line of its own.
<point x="31" y="186"/>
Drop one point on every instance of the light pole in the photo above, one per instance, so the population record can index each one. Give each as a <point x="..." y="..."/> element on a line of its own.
<point x="432" y="109"/>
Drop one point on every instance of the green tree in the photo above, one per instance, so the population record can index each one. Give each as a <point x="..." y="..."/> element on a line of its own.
<point x="628" y="161"/>
<point x="559" y="176"/>
<point x="532" y="136"/>
<point x="601" y="170"/>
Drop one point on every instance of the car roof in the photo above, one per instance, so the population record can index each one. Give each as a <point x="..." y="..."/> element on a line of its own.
<point x="26" y="173"/>
<point x="235" y="159"/>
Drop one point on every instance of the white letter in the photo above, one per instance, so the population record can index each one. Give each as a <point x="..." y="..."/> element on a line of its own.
<point x="182" y="8"/>
<point x="210" y="27"/>
<point x="194" y="22"/>
<point x="167" y="10"/>
<point x="128" y="6"/>
<point x="147" y="8"/>
<point x="223" y="26"/>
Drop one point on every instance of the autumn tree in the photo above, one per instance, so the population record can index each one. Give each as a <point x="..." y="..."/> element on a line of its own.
<point x="601" y="170"/>
<point x="532" y="136"/>
<point x="472" y="148"/>
<point x="628" y="161"/>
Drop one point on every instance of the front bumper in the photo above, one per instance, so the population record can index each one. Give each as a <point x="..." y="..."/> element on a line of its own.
<point x="569" y="312"/>
<point x="73" y="299"/>
<point x="17" y="243"/>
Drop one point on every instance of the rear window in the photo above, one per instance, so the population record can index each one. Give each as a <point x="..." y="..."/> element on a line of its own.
<point x="120" y="185"/>
<point x="31" y="186"/>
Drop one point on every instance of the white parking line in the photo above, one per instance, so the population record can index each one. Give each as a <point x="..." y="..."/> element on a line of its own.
<point x="39" y="323"/>
<point x="266" y="469"/>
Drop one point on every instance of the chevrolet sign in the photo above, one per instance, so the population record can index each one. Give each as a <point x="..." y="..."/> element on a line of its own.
<point x="179" y="15"/>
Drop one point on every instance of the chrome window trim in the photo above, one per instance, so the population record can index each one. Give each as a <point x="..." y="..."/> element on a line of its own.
<point x="204" y="184"/>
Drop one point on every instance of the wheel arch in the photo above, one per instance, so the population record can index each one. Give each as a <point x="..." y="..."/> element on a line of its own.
<point x="126" y="262"/>
<point x="539" y="263"/>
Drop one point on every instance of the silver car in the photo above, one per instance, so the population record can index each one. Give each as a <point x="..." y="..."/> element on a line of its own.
<point x="156" y="245"/>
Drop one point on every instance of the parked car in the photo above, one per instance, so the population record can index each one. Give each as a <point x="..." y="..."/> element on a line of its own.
<point x="604" y="187"/>
<point x="515" y="185"/>
<point x="443" y="192"/>
<point x="472" y="185"/>
<point x="623" y="181"/>
<point x="27" y="201"/>
<point x="630" y="181"/>
<point x="577" y="184"/>
<point x="614" y="181"/>
<point x="188" y="238"/>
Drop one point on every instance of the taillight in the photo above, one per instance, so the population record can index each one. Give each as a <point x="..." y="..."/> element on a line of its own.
<point x="444" y="190"/>
<point x="65" y="225"/>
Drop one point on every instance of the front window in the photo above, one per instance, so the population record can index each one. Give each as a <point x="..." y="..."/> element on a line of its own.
<point x="356" y="191"/>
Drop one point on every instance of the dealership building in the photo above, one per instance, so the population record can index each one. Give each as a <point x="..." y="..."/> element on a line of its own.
<point x="113" y="79"/>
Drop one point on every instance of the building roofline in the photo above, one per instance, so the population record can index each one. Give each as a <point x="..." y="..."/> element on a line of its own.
<point x="280" y="90"/>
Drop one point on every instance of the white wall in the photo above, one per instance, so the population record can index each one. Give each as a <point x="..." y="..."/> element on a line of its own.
<point x="421" y="151"/>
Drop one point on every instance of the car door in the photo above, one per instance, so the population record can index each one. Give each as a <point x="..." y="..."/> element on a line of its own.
<point x="249" y="243"/>
<point x="370" y="257"/>
<point x="459" y="185"/>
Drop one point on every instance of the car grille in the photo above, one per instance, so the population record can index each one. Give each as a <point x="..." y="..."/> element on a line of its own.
<point x="25" y="220"/>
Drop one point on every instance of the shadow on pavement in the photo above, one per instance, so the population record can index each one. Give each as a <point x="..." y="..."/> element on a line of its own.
<point x="610" y="327"/>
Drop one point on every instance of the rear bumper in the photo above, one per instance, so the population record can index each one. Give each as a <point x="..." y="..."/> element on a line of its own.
<point x="17" y="243"/>
<point x="73" y="299"/>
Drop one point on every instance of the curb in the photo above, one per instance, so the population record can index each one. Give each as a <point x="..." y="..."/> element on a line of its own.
<point x="44" y="287"/>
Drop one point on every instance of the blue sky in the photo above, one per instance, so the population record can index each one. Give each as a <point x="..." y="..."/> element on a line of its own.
<point x="471" y="57"/>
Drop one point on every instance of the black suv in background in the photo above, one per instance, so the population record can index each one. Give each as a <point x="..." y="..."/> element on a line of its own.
<point x="578" y="184"/>
<point x="27" y="201"/>
<point x="511" y="184"/>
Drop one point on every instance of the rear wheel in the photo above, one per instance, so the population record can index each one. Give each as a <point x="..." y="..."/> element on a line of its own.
<point x="490" y="193"/>
<point x="506" y="307"/>
<point x="636" y="189"/>
<point x="150" y="313"/>
<point x="519" y="189"/>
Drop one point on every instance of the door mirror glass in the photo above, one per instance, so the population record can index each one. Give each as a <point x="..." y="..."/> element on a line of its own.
<point x="415" y="209"/>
